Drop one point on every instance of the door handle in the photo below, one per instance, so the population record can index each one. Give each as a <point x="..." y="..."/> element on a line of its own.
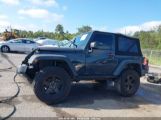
<point x="111" y="55"/>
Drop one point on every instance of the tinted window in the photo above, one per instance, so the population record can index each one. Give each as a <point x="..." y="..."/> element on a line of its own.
<point x="104" y="40"/>
<point x="15" y="41"/>
<point x="32" y="42"/>
<point x="127" y="45"/>
<point x="28" y="41"/>
<point x="23" y="41"/>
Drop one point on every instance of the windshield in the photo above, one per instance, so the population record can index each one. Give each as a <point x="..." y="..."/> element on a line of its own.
<point x="79" y="42"/>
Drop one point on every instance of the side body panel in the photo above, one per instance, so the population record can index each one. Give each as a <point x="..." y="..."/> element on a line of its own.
<point x="101" y="62"/>
<point x="124" y="61"/>
<point x="74" y="59"/>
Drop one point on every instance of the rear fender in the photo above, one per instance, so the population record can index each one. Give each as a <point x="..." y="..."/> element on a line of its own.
<point x="123" y="65"/>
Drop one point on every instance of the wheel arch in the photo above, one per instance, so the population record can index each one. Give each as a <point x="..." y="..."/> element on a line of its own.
<point x="57" y="61"/>
<point x="6" y="46"/>
<point x="128" y="65"/>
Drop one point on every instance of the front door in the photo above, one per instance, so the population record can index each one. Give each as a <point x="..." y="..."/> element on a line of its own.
<point x="17" y="45"/>
<point x="101" y="60"/>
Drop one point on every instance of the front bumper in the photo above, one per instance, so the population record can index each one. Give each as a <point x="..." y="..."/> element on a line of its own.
<point x="22" y="69"/>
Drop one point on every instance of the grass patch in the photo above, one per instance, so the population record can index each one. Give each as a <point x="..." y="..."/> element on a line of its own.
<point x="153" y="56"/>
<point x="155" y="60"/>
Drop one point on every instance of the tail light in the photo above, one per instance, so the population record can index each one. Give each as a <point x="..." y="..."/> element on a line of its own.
<point x="145" y="61"/>
<point x="146" y="64"/>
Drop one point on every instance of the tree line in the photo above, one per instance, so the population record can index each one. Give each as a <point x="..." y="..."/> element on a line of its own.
<point x="58" y="34"/>
<point x="148" y="39"/>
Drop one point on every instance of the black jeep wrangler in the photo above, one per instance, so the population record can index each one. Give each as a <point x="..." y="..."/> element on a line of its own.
<point x="95" y="55"/>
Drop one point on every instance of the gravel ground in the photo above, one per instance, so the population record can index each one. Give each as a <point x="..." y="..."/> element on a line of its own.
<point x="87" y="99"/>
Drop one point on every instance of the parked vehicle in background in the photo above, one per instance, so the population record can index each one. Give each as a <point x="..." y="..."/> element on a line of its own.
<point x="48" y="43"/>
<point x="18" y="45"/>
<point x="40" y="38"/>
<point x="64" y="42"/>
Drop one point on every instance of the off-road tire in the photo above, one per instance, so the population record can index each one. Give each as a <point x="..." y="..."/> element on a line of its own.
<point x="128" y="83"/>
<point x="43" y="75"/>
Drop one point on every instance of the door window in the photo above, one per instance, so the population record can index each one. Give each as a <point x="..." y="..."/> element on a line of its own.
<point x="105" y="41"/>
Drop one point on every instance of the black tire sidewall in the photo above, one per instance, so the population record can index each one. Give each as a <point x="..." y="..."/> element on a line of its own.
<point x="3" y="47"/>
<point x="44" y="74"/>
<point x="123" y="76"/>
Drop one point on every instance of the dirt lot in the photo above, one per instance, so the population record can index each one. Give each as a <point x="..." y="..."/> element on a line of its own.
<point x="85" y="100"/>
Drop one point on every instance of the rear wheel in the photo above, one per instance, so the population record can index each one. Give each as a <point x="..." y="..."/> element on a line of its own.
<point x="5" y="49"/>
<point x="52" y="85"/>
<point x="128" y="83"/>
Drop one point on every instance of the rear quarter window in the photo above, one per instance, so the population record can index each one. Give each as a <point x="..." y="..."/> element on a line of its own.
<point x="127" y="46"/>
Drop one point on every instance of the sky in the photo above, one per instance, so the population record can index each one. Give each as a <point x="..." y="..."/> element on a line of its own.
<point x="123" y="16"/>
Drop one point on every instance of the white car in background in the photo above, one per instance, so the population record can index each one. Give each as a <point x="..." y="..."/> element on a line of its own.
<point x="18" y="45"/>
<point x="64" y="42"/>
<point x="48" y="43"/>
<point x="39" y="38"/>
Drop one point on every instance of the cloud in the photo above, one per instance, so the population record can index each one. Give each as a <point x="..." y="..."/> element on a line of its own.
<point x="99" y="28"/>
<point x="3" y="17"/>
<point x="45" y="3"/>
<point x="28" y="27"/>
<point x="34" y="13"/>
<point x="152" y="25"/>
<point x="41" y="14"/>
<point x="21" y="17"/>
<point x="103" y="28"/>
<point x="56" y="17"/>
<point x="10" y="2"/>
<point x="6" y="24"/>
<point x="4" y="21"/>
<point x="65" y="8"/>
<point x="3" y="25"/>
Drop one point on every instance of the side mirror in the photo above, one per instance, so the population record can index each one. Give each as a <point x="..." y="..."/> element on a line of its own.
<point x="93" y="45"/>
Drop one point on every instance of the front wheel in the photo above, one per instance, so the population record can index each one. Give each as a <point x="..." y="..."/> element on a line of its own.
<point x="52" y="85"/>
<point x="5" y="49"/>
<point x="128" y="83"/>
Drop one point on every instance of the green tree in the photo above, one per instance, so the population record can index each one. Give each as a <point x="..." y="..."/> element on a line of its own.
<point x="59" y="32"/>
<point x="84" y="29"/>
<point x="59" y="29"/>
<point x="150" y="39"/>
<point x="159" y="29"/>
<point x="69" y="36"/>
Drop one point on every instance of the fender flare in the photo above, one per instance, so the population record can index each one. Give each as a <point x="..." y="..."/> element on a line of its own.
<point x="123" y="65"/>
<point x="53" y="57"/>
